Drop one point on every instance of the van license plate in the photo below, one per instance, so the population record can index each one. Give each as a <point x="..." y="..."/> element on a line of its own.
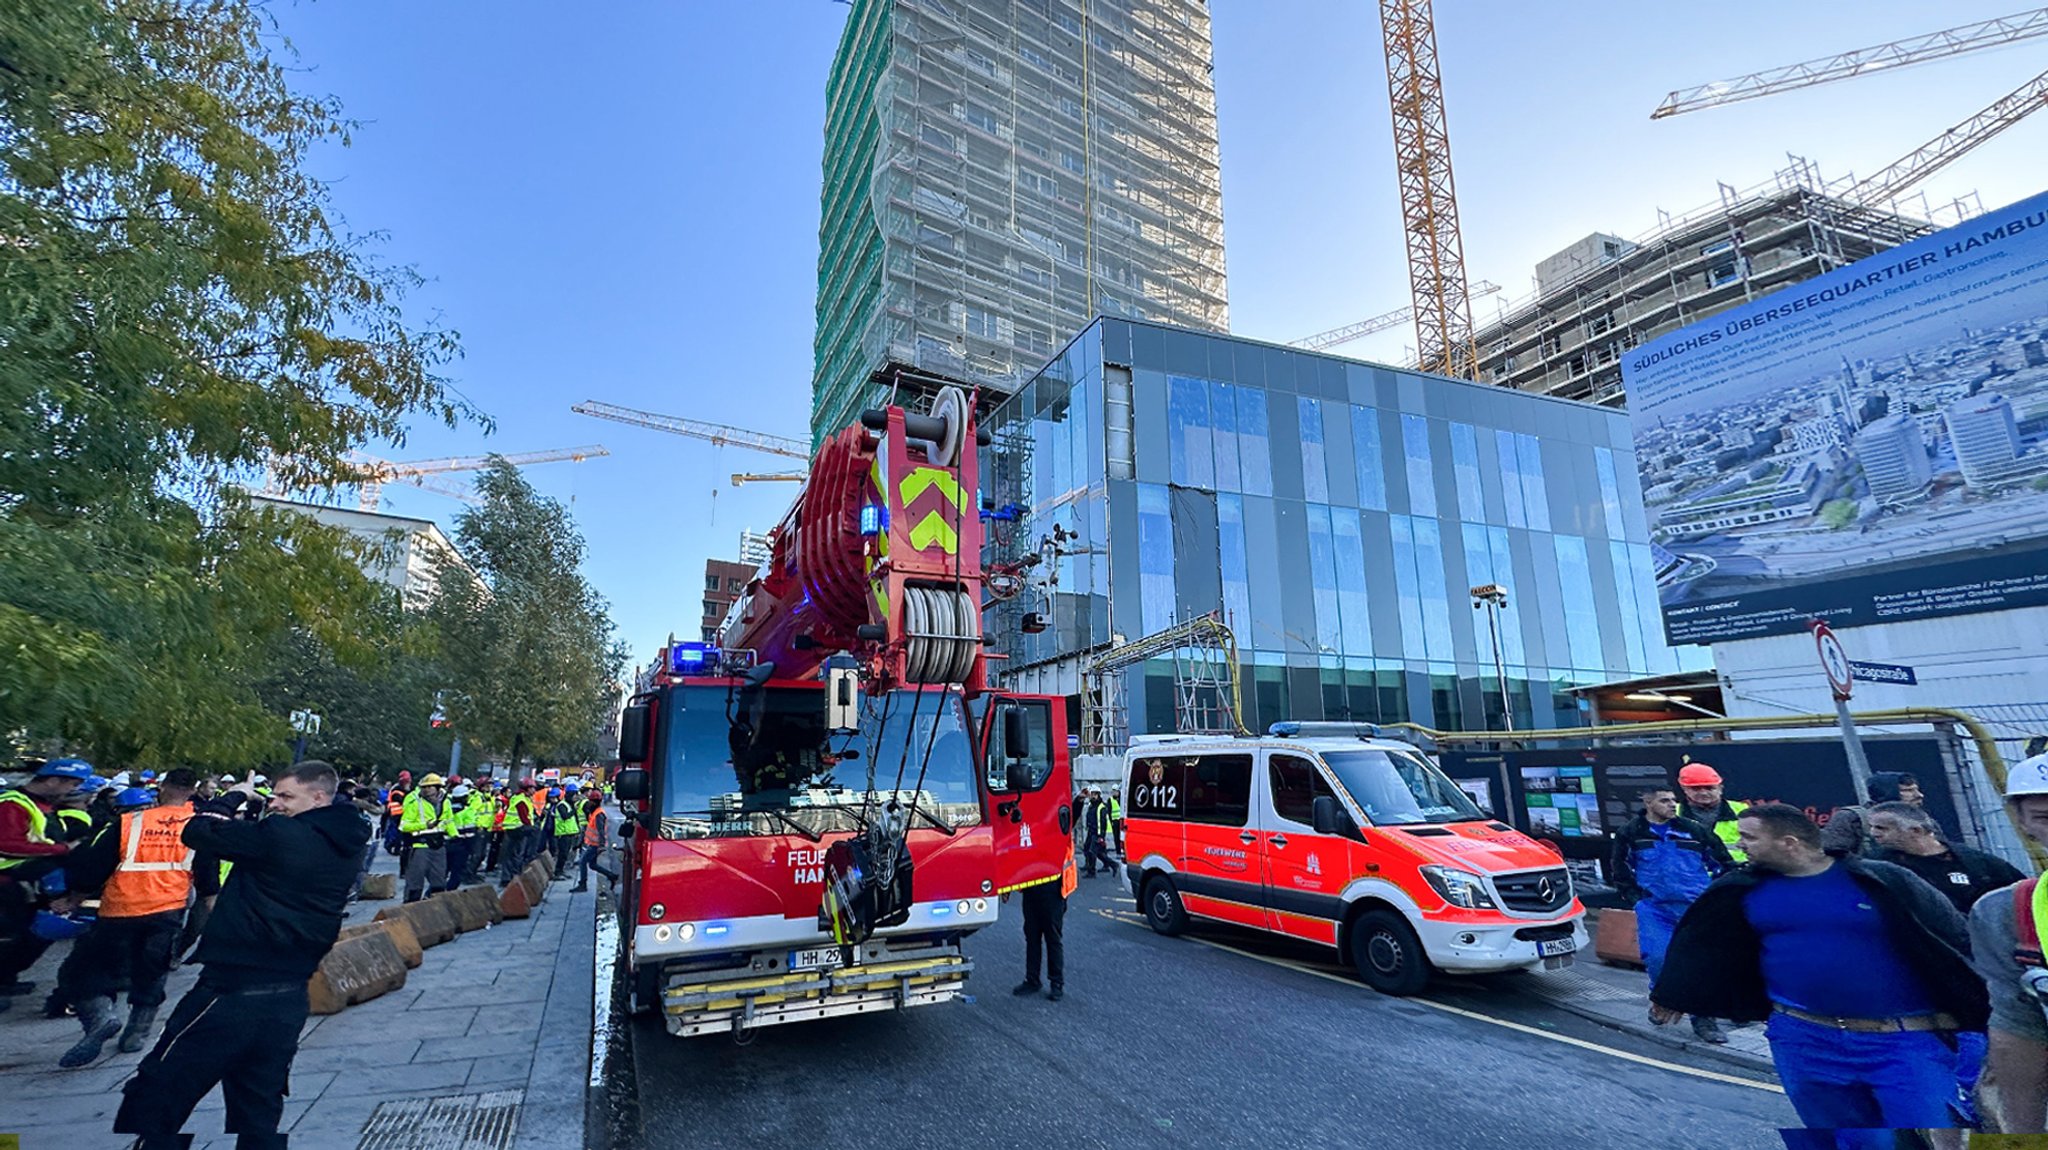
<point x="817" y="958"/>
<point x="1556" y="946"/>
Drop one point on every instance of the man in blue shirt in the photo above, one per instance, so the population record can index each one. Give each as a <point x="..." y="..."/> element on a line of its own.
<point x="1663" y="861"/>
<point x="1861" y="968"/>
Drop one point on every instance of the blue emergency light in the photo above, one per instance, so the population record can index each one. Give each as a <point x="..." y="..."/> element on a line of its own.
<point x="691" y="658"/>
<point x="870" y="520"/>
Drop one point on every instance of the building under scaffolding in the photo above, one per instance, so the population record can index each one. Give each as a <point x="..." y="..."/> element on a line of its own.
<point x="999" y="172"/>
<point x="1606" y="294"/>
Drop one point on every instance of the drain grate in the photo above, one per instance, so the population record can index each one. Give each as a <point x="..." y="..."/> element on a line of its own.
<point x="460" y="1122"/>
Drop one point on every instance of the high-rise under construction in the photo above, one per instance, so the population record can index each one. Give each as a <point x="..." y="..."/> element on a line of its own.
<point x="999" y="172"/>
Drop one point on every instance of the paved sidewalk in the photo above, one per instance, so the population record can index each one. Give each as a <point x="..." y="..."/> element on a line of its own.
<point x="491" y="1033"/>
<point x="1620" y="997"/>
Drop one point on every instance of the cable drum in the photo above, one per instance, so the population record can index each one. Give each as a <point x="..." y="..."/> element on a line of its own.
<point x="942" y="635"/>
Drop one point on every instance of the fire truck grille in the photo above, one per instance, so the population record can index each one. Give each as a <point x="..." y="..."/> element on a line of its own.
<point x="1535" y="892"/>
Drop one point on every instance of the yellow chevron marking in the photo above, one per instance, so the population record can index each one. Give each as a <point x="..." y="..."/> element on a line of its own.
<point x="914" y="484"/>
<point x="934" y="527"/>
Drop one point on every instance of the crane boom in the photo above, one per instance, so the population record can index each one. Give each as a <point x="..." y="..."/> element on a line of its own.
<point x="385" y="469"/>
<point x="1890" y="182"/>
<point x="697" y="429"/>
<point x="1858" y="62"/>
<point x="1365" y="327"/>
<point x="1429" y="202"/>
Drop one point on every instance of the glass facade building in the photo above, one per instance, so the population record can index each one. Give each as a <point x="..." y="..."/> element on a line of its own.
<point x="1338" y="513"/>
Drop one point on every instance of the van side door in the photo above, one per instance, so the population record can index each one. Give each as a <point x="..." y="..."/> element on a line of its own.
<point x="1305" y="872"/>
<point x="1224" y="878"/>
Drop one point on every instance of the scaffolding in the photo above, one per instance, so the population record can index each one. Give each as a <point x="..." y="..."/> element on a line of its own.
<point x="1206" y="695"/>
<point x="998" y="173"/>
<point x="1569" y="338"/>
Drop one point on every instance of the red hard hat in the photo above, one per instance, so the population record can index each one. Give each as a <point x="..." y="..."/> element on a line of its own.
<point x="405" y="775"/>
<point x="1698" y="775"/>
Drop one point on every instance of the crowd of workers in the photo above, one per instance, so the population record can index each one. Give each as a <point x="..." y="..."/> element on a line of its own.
<point x="143" y="872"/>
<point x="1889" y="965"/>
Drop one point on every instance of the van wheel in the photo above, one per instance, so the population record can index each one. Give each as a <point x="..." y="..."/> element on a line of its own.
<point x="1388" y="955"/>
<point x="1162" y="907"/>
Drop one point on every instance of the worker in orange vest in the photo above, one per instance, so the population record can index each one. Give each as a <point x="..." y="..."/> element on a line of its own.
<point x="594" y="835"/>
<point x="144" y="873"/>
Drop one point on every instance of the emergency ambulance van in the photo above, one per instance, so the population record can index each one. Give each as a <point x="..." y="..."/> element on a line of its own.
<point x="1328" y="833"/>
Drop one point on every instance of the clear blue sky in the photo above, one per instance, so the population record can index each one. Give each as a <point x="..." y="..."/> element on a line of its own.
<point x="619" y="201"/>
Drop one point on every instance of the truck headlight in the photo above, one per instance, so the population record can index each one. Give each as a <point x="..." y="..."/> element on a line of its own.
<point x="1461" y="889"/>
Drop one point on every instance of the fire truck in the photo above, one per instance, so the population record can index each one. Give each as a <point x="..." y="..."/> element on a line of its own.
<point x="822" y="806"/>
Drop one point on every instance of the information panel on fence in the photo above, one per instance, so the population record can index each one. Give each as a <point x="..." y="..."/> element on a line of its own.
<point x="1579" y="798"/>
<point x="1867" y="445"/>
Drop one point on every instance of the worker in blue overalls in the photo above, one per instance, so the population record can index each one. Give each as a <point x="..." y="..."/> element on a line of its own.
<point x="1663" y="861"/>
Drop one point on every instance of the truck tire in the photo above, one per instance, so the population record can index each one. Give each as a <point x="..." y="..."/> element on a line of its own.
<point x="1163" y="908"/>
<point x="643" y="990"/>
<point x="1388" y="955"/>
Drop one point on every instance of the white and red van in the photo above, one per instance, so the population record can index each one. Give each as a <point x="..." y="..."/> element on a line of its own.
<point x="1328" y="833"/>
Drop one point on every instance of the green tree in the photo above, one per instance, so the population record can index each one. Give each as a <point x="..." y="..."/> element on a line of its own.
<point x="1838" y="513"/>
<point x="376" y="715"/>
<point x="527" y="650"/>
<point x="178" y="307"/>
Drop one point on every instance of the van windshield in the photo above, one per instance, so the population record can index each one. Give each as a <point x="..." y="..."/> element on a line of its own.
<point x="1394" y="789"/>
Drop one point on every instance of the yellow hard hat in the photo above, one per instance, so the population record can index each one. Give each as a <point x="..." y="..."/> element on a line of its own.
<point x="433" y="781"/>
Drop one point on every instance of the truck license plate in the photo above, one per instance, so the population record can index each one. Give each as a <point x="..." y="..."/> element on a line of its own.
<point x="817" y="958"/>
<point x="1556" y="946"/>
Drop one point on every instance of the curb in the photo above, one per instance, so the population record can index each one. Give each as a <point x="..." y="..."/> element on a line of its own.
<point x="1708" y="1050"/>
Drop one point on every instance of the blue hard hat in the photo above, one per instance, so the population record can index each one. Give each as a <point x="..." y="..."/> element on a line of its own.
<point x="90" y="785"/>
<point x="133" y="797"/>
<point x="569" y="786"/>
<point x="58" y="927"/>
<point x="77" y="769"/>
<point x="148" y="775"/>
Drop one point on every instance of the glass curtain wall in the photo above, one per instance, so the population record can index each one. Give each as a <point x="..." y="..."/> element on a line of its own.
<point x="1354" y="506"/>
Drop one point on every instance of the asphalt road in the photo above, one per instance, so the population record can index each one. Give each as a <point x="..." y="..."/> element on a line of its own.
<point x="1219" y="1038"/>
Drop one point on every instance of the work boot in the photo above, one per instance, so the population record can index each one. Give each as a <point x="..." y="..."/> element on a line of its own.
<point x="1057" y="993"/>
<point x="141" y="1020"/>
<point x="579" y="888"/>
<point x="1709" y="1030"/>
<point x="97" y="1016"/>
<point x="1024" y="988"/>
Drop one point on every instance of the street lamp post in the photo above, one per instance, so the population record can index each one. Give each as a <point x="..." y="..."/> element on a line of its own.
<point x="1492" y="597"/>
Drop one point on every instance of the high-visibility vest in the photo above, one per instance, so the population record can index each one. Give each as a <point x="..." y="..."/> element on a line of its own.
<point x="518" y="812"/>
<point x="592" y="836"/>
<point x="477" y="815"/>
<point x="1728" y="832"/>
<point x="1070" y="875"/>
<point x="38" y="823"/>
<point x="565" y="819"/>
<point x="421" y="818"/>
<point x="78" y="822"/>
<point x="155" y="871"/>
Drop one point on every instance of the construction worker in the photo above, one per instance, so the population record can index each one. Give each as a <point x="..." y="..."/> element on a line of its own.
<point x="478" y="813"/>
<point x="143" y="871"/>
<point x="459" y="836"/>
<point x="518" y="823"/>
<point x="2007" y="927"/>
<point x="74" y="814"/>
<point x="424" y="824"/>
<point x="567" y="829"/>
<point x="595" y="826"/>
<point x="1705" y="806"/>
<point x="30" y="847"/>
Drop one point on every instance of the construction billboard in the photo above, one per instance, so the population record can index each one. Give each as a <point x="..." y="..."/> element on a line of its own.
<point x="1867" y="445"/>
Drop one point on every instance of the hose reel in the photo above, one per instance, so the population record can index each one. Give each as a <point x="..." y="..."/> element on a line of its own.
<point x="942" y="634"/>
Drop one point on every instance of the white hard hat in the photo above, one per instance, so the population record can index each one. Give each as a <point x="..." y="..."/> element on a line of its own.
<point x="120" y="779"/>
<point x="460" y="791"/>
<point x="2027" y="777"/>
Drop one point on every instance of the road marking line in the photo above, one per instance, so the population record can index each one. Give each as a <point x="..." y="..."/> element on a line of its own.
<point x="1568" y="1040"/>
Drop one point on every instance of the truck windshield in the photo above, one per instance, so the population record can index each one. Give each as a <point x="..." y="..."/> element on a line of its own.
<point x="1396" y="788"/>
<point x="773" y="770"/>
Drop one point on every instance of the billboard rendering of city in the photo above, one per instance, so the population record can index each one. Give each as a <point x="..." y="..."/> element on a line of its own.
<point x="1865" y="446"/>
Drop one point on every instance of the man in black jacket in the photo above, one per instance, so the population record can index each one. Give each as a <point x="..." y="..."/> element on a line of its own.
<point x="277" y="915"/>
<point x="1862" y="969"/>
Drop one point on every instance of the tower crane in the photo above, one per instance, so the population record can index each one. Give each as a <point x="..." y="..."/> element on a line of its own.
<point x="1429" y="203"/>
<point x="697" y="429"/>
<point x="1891" y="181"/>
<point x="370" y="474"/>
<point x="1365" y="327"/>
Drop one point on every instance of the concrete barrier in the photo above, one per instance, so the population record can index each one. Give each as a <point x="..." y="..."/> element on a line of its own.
<point x="430" y="921"/>
<point x="357" y="969"/>
<point x="536" y="880"/>
<point x="1614" y="939"/>
<point x="513" y="903"/>
<point x="470" y="913"/>
<point x="402" y="937"/>
<point x="377" y="887"/>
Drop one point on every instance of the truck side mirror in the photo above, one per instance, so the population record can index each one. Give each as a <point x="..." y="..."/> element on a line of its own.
<point x="1326" y="815"/>
<point x="1016" y="735"/>
<point x="1017" y="775"/>
<point x="842" y="694"/>
<point x="633" y="734"/>
<point x="632" y="785"/>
